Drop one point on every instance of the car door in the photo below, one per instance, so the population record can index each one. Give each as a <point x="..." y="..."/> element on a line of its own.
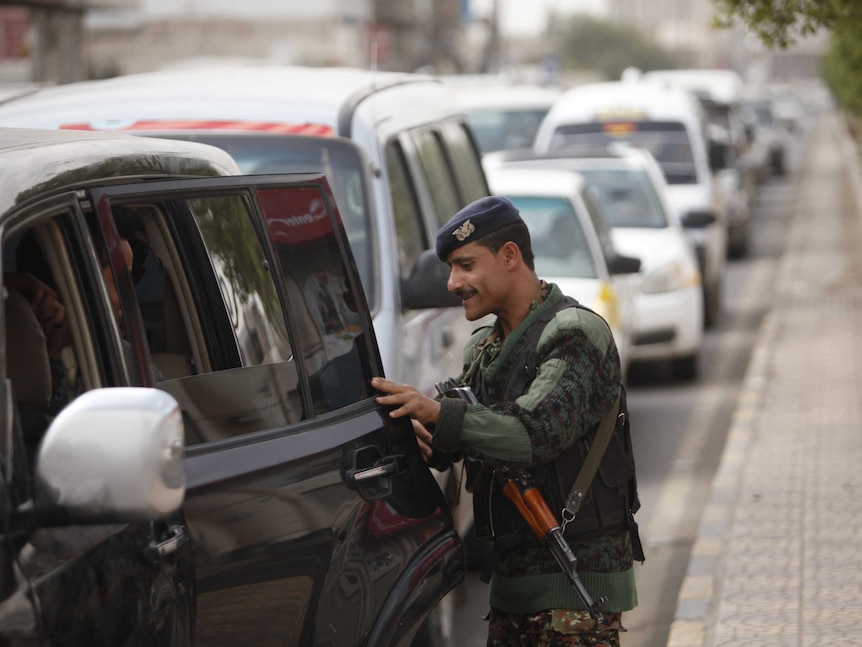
<point x="313" y="518"/>
<point x="97" y="584"/>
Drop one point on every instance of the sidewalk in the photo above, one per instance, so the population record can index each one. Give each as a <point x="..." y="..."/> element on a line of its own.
<point x="778" y="559"/>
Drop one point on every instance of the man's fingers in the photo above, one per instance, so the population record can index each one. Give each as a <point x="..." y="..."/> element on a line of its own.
<point x="423" y="437"/>
<point x="386" y="386"/>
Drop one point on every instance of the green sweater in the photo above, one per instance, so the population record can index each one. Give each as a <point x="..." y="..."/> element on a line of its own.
<point x="577" y="382"/>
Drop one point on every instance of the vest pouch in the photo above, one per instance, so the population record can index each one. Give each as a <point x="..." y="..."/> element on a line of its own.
<point x="481" y="518"/>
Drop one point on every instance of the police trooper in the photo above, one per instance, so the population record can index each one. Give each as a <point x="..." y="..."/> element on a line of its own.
<point x="541" y="419"/>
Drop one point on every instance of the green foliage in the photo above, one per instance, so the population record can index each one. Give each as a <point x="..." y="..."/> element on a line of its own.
<point x="588" y="44"/>
<point x="779" y="23"/>
<point x="842" y="68"/>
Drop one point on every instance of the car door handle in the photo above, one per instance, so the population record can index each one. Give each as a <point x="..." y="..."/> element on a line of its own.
<point x="173" y="538"/>
<point x="384" y="467"/>
<point x="371" y="473"/>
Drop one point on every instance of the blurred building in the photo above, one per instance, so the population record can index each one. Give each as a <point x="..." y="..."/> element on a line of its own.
<point x="58" y="41"/>
<point x="43" y="40"/>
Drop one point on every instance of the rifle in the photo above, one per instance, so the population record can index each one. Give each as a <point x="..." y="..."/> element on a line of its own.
<point x="519" y="488"/>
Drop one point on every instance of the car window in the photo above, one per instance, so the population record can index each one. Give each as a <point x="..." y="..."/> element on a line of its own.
<point x="71" y="341"/>
<point x="466" y="160"/>
<point x="668" y="142"/>
<point x="409" y="230"/>
<point x="439" y="176"/>
<point x="627" y="197"/>
<point x="560" y="244"/>
<point x="254" y="321"/>
<point x="599" y="220"/>
<point x="341" y="161"/>
<point x="505" y="128"/>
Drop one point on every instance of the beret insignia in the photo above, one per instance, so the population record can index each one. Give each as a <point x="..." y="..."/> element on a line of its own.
<point x="463" y="232"/>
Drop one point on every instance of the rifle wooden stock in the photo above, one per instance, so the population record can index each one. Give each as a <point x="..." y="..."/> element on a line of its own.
<point x="536" y="512"/>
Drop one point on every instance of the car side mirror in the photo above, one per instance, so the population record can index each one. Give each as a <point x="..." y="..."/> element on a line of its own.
<point x="426" y="286"/>
<point x="697" y="219"/>
<point x="718" y="155"/>
<point x="619" y="264"/>
<point x="113" y="455"/>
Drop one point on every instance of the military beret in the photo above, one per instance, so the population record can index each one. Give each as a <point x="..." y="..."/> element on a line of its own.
<point x="477" y="219"/>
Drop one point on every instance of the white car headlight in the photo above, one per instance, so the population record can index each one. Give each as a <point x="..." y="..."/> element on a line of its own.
<point x="665" y="278"/>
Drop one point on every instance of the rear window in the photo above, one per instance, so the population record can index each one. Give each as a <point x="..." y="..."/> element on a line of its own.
<point x="668" y="141"/>
<point x="627" y="196"/>
<point x="560" y="244"/>
<point x="505" y="129"/>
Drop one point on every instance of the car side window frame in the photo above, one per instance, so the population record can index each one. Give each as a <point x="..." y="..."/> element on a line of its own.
<point x="410" y="232"/>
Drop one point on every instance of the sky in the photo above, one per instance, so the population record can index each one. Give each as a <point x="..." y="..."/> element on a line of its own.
<point x="529" y="17"/>
<point x="517" y="17"/>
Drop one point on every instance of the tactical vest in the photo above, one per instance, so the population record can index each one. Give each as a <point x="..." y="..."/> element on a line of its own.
<point x="611" y="501"/>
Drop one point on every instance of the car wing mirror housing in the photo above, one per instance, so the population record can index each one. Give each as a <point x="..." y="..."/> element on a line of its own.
<point x="426" y="285"/>
<point x="113" y="455"/>
<point x="620" y="264"/>
<point x="698" y="219"/>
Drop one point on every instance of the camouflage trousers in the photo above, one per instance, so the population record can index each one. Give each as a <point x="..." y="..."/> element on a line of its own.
<point x="553" y="628"/>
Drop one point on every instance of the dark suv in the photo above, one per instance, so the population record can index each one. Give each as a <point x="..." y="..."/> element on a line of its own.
<point x="295" y="511"/>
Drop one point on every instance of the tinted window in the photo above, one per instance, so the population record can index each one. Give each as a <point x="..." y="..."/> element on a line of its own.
<point x="559" y="242"/>
<point x="467" y="162"/>
<point x="254" y="323"/>
<point x="341" y="162"/>
<point x="628" y="198"/>
<point x="324" y="305"/>
<point x="438" y="175"/>
<point x="49" y="366"/>
<point x="241" y="269"/>
<point x="408" y="220"/>
<point x="667" y="141"/>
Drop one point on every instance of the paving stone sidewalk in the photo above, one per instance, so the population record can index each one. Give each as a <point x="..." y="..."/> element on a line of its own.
<point x="778" y="559"/>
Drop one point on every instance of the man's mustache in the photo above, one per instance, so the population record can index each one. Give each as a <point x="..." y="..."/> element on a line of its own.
<point x="465" y="293"/>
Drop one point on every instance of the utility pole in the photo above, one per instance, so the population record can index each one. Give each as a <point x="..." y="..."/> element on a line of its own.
<point x="491" y="55"/>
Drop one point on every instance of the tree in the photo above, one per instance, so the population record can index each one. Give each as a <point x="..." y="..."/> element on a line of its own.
<point x="779" y="23"/>
<point x="584" y="43"/>
<point x="842" y="69"/>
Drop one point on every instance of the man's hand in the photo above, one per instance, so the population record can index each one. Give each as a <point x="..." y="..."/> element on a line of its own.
<point x="408" y="400"/>
<point x="423" y="437"/>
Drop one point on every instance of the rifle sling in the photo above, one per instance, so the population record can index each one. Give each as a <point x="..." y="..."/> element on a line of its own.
<point x="591" y="463"/>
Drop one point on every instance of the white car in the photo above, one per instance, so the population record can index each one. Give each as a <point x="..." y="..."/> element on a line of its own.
<point x="632" y="191"/>
<point x="670" y="124"/>
<point x="572" y="245"/>
<point x="503" y="115"/>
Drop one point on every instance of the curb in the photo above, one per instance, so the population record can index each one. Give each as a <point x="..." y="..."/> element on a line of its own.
<point x="696" y="603"/>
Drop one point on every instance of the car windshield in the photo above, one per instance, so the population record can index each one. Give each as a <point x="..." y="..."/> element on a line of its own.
<point x="667" y="141"/>
<point x="259" y="154"/>
<point x="763" y="113"/>
<point x="559" y="242"/>
<point x="505" y="129"/>
<point x="627" y="196"/>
